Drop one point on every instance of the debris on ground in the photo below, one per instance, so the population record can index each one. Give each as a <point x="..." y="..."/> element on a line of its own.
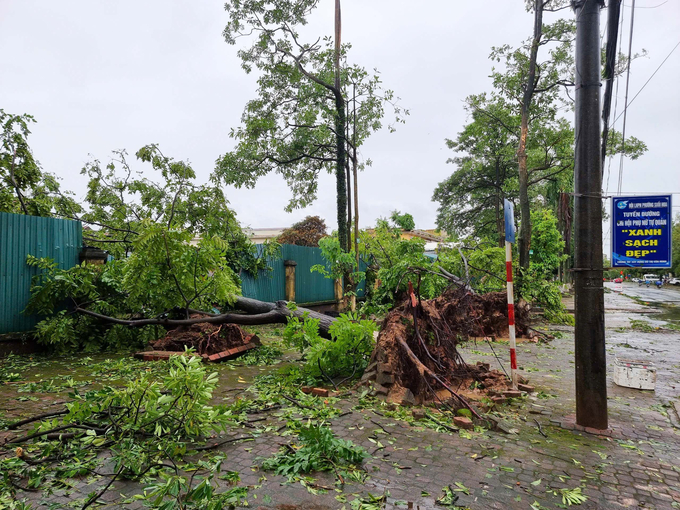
<point x="416" y="360"/>
<point x="208" y="339"/>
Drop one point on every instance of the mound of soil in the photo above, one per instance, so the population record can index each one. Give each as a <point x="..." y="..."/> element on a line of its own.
<point x="416" y="354"/>
<point x="205" y="338"/>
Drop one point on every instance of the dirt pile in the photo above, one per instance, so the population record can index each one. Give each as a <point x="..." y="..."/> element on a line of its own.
<point x="205" y="338"/>
<point x="416" y="357"/>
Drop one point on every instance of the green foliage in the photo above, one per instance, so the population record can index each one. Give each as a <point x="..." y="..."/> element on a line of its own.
<point x="345" y="356"/>
<point x="471" y="199"/>
<point x="24" y="187"/>
<point x="301" y="333"/>
<point x="265" y="355"/>
<point x="307" y="232"/>
<point x="339" y="262"/>
<point x="126" y="205"/>
<point x="319" y="450"/>
<point x="292" y="126"/>
<point x="164" y="272"/>
<point x="544" y="293"/>
<point x="138" y="428"/>
<point x="392" y="262"/>
<point x="175" y="492"/>
<point x="571" y="496"/>
<point x="403" y="221"/>
<point x="546" y="242"/>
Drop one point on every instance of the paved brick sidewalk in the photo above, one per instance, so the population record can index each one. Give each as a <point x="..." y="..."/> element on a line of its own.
<point x="638" y="466"/>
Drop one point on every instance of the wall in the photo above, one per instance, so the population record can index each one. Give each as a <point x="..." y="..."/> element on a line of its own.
<point x="21" y="235"/>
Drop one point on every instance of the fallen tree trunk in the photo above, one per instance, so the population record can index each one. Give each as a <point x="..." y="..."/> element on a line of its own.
<point x="257" y="313"/>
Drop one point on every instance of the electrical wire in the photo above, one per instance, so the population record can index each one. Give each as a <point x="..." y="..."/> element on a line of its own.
<point x="625" y="111"/>
<point x="616" y="99"/>
<point x="650" y="78"/>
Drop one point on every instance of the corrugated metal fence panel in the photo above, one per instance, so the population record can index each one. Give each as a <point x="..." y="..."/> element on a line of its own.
<point x="361" y="289"/>
<point x="268" y="285"/>
<point x="21" y="235"/>
<point x="309" y="287"/>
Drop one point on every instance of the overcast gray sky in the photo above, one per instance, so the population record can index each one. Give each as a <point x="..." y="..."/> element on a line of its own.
<point x="103" y="75"/>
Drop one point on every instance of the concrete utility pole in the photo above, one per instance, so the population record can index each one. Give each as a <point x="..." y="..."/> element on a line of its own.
<point x="591" y="366"/>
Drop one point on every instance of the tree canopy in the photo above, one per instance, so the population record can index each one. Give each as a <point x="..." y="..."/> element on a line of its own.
<point x="297" y="126"/>
<point x="306" y="232"/>
<point x="24" y="187"/>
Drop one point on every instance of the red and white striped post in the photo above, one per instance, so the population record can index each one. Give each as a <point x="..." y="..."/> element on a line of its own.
<point x="511" y="314"/>
<point x="509" y="214"/>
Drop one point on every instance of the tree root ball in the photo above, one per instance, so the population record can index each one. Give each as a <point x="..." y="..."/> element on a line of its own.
<point x="204" y="338"/>
<point x="431" y="332"/>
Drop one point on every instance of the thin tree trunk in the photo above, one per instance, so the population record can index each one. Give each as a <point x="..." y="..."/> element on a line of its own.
<point x="340" y="120"/>
<point x="16" y="186"/>
<point x="356" y="191"/>
<point x="500" y="217"/>
<point x="257" y="312"/>
<point x="524" y="242"/>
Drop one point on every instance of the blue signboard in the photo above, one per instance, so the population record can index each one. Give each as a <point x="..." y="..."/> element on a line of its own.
<point x="641" y="231"/>
<point x="509" y="212"/>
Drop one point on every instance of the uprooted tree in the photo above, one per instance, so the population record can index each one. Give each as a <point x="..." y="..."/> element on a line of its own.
<point x="178" y="252"/>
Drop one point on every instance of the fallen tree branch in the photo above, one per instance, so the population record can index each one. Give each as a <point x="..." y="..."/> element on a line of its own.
<point x="257" y="313"/>
<point x="37" y="417"/>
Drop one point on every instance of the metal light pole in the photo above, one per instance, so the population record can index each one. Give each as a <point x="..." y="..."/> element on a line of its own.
<point x="591" y="366"/>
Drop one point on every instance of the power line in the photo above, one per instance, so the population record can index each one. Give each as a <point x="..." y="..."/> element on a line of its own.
<point x="625" y="110"/>
<point x="616" y="99"/>
<point x="650" y="78"/>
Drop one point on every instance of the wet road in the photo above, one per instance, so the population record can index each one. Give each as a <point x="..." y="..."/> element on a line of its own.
<point x="664" y="295"/>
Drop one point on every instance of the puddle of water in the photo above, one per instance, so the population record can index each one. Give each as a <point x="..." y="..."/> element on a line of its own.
<point x="668" y="313"/>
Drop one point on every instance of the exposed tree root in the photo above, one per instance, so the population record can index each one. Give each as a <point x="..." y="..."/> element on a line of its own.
<point x="416" y="356"/>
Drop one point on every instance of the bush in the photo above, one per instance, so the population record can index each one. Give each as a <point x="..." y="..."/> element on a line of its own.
<point x="345" y="356"/>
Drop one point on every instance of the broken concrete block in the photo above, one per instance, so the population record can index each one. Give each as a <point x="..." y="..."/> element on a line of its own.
<point x="385" y="368"/>
<point x="463" y="422"/>
<point x="384" y="379"/>
<point x="418" y="414"/>
<point x="499" y="400"/>
<point x="306" y="390"/>
<point x="379" y="390"/>
<point x="525" y="387"/>
<point x="401" y="396"/>
<point x="319" y="392"/>
<point x="368" y="375"/>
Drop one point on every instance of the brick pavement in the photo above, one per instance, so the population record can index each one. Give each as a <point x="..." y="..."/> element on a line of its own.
<point x="637" y="466"/>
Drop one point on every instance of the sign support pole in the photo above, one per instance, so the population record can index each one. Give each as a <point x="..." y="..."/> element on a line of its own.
<point x="511" y="314"/>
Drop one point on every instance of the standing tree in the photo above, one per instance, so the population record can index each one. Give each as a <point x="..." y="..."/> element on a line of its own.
<point x="533" y="87"/>
<point x="297" y="125"/>
<point x="471" y="199"/>
<point x="24" y="187"/>
<point x="307" y="232"/>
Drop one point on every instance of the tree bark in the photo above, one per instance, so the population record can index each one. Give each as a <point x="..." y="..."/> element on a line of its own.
<point x="524" y="241"/>
<point x="500" y="217"/>
<point x="257" y="313"/>
<point x="341" y="150"/>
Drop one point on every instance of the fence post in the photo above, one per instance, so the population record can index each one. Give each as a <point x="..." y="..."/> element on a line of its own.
<point x="339" y="293"/>
<point x="290" y="279"/>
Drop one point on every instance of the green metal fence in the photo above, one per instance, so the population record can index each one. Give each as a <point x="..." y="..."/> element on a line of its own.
<point x="310" y="288"/>
<point x="21" y="235"/>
